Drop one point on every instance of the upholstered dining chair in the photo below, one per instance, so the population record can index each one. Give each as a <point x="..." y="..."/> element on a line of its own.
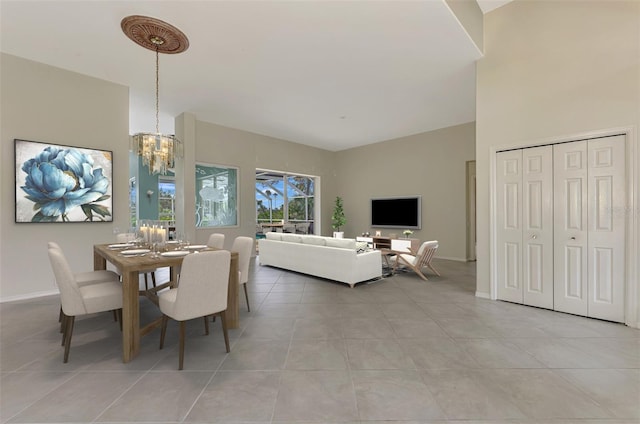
<point x="216" y="240"/>
<point x="88" y="277"/>
<point x="243" y="245"/>
<point x="418" y="260"/>
<point x="84" y="278"/>
<point x="203" y="290"/>
<point x="129" y="237"/>
<point x="81" y="300"/>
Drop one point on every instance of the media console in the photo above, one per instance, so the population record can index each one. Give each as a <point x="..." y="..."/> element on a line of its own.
<point x="397" y="244"/>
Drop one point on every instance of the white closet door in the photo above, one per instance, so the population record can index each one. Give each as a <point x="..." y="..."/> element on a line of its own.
<point x="606" y="246"/>
<point x="509" y="221"/>
<point x="570" y="227"/>
<point x="537" y="219"/>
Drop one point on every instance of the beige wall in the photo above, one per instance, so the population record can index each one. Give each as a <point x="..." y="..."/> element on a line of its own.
<point x="553" y="69"/>
<point x="43" y="103"/>
<point x="215" y="144"/>
<point x="430" y="164"/>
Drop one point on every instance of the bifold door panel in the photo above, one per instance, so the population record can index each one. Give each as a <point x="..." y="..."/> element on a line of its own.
<point x="560" y="234"/>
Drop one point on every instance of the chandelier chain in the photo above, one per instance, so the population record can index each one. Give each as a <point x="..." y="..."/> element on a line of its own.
<point x="157" y="91"/>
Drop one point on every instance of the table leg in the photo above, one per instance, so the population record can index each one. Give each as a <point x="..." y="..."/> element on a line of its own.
<point x="232" y="314"/>
<point x="99" y="262"/>
<point x="130" y="316"/>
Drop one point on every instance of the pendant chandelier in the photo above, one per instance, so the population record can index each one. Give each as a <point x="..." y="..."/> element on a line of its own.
<point x="158" y="151"/>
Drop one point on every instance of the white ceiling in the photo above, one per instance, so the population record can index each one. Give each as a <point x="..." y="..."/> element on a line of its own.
<point x="331" y="74"/>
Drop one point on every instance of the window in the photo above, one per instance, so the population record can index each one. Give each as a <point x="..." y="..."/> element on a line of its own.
<point x="281" y="196"/>
<point x="300" y="196"/>
<point x="167" y="199"/>
<point x="216" y="196"/>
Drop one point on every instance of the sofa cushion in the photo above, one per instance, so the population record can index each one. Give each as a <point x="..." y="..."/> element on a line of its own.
<point x="314" y="240"/>
<point x="341" y="243"/>
<point x="291" y="238"/>
<point x="274" y="236"/>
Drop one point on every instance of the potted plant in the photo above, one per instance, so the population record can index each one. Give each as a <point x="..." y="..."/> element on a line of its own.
<point x="407" y="233"/>
<point x="338" y="219"/>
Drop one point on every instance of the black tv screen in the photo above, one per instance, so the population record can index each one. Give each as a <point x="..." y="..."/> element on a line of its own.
<point x="397" y="212"/>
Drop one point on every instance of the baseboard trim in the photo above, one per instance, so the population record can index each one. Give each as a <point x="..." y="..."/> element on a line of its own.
<point x="451" y="259"/>
<point x="28" y="296"/>
<point x="483" y="295"/>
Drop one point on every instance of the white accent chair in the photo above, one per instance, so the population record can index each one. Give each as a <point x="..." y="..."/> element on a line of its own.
<point x="203" y="290"/>
<point x="216" y="240"/>
<point x="418" y="260"/>
<point x="81" y="300"/>
<point x="244" y="246"/>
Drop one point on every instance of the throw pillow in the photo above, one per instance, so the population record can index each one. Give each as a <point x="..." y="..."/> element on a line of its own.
<point x="362" y="246"/>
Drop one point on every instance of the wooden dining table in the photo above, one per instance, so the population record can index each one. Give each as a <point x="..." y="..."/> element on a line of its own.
<point x="129" y="267"/>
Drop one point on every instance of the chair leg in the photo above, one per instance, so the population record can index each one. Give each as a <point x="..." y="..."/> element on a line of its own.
<point x="118" y="314"/>
<point x="246" y="296"/>
<point x="163" y="330"/>
<point x="153" y="278"/>
<point x="223" y="318"/>
<point x="63" y="328"/>
<point x="434" y="270"/>
<point x="60" y="316"/>
<point x="181" y="354"/>
<point x="67" y="339"/>
<point x="115" y="316"/>
<point x="62" y="323"/>
<point x="146" y="282"/>
<point x="206" y="325"/>
<point x="419" y="272"/>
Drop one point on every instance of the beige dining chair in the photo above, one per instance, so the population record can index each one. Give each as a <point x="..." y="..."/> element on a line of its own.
<point x="203" y="290"/>
<point x="418" y="260"/>
<point x="80" y="300"/>
<point x="244" y="246"/>
<point x="216" y="240"/>
<point x="88" y="277"/>
<point x="84" y="278"/>
<point x="129" y="237"/>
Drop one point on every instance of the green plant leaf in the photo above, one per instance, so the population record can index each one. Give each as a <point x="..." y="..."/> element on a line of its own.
<point x="100" y="210"/>
<point x="86" y="208"/>
<point x="39" y="217"/>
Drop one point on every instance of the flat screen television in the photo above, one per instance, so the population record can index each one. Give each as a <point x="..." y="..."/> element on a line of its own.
<point x="397" y="212"/>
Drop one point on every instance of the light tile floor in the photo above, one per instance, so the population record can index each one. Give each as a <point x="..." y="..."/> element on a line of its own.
<point x="398" y="349"/>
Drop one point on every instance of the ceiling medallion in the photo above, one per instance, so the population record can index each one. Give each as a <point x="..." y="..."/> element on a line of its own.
<point x="154" y="34"/>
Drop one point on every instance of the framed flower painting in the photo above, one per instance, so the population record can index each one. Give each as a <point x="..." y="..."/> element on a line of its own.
<point x="56" y="183"/>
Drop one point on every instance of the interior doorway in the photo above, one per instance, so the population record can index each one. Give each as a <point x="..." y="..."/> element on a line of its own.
<point x="471" y="210"/>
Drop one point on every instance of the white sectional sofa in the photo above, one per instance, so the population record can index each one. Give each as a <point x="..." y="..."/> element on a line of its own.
<point x="326" y="257"/>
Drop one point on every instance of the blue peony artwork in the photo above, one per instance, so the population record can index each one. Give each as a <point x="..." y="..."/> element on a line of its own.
<point x="62" y="184"/>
